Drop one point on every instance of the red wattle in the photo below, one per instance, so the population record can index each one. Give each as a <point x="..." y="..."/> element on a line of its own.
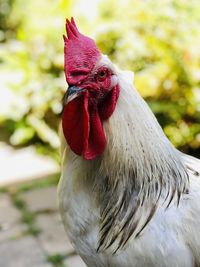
<point x="75" y="123"/>
<point x="83" y="128"/>
<point x="96" y="139"/>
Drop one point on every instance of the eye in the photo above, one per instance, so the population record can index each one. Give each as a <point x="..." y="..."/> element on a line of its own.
<point x="102" y="74"/>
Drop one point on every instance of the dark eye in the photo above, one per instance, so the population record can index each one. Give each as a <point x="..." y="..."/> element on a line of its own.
<point x="102" y="74"/>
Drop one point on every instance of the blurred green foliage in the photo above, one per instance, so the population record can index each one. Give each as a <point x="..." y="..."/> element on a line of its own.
<point x="32" y="79"/>
<point x="158" y="40"/>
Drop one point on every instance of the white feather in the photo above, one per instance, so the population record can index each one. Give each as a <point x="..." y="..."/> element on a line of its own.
<point x="172" y="237"/>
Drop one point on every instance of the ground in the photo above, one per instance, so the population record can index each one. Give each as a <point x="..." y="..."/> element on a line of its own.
<point x="31" y="231"/>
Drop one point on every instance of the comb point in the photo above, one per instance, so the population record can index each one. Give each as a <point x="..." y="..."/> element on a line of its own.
<point x="65" y="38"/>
<point x="74" y="24"/>
<point x="72" y="31"/>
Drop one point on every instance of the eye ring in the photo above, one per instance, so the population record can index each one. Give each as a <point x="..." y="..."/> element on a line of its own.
<point x="102" y="74"/>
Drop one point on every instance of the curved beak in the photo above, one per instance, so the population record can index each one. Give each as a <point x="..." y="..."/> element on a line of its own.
<point x="71" y="93"/>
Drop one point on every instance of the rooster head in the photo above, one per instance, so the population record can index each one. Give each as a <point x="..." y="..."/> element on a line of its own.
<point x="91" y="96"/>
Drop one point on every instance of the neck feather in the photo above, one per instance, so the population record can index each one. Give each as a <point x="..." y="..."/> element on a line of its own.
<point x="136" y="141"/>
<point x="139" y="167"/>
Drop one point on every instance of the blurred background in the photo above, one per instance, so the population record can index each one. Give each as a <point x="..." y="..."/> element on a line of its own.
<point x="158" y="40"/>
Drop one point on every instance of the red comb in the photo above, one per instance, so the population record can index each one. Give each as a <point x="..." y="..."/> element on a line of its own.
<point x="72" y="31"/>
<point x="80" y="51"/>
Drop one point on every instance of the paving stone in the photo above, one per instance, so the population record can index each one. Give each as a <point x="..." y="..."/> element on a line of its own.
<point x="8" y="213"/>
<point x="24" y="252"/>
<point x="53" y="237"/>
<point x="40" y="200"/>
<point x="13" y="232"/>
<point x="10" y="225"/>
<point x="74" y="261"/>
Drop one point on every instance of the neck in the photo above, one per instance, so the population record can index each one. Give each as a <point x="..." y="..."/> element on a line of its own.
<point x="136" y="141"/>
<point x="139" y="165"/>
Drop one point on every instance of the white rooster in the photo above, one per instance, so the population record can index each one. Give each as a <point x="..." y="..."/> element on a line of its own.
<point x="127" y="197"/>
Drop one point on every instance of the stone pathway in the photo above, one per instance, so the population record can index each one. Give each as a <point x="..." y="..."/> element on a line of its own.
<point x="31" y="232"/>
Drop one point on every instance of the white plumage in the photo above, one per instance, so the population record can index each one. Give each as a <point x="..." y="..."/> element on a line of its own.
<point x="171" y="236"/>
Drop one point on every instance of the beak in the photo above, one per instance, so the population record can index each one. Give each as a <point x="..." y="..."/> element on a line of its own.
<point x="71" y="93"/>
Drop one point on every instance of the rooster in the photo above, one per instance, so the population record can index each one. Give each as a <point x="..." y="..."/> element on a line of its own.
<point x="127" y="196"/>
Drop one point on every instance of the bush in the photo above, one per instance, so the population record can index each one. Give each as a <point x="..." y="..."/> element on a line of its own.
<point x="159" y="40"/>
